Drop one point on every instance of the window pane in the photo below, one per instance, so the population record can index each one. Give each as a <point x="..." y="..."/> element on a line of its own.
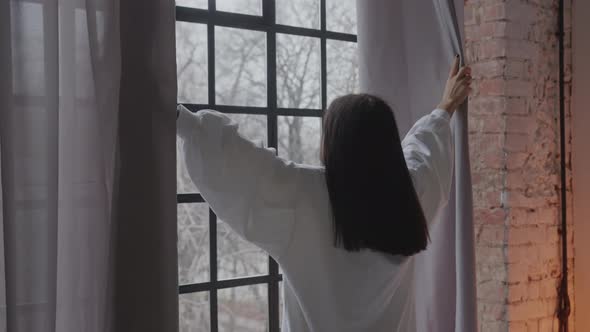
<point x="341" y="16"/>
<point x="236" y="257"/>
<point x="193" y="243"/>
<point x="243" y="309"/>
<point x="240" y="67"/>
<point x="298" y="72"/>
<point x="299" y="139"/>
<point x="192" y="3"/>
<point x="184" y="184"/>
<point x="191" y="62"/>
<point x="194" y="313"/>
<point x="301" y="13"/>
<point x="251" y="126"/>
<point x="250" y="7"/>
<point x="342" y="68"/>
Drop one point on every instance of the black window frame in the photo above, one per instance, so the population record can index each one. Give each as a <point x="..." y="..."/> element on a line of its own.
<point x="265" y="23"/>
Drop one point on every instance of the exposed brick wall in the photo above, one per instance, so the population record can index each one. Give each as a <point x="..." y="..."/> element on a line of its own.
<point x="514" y="133"/>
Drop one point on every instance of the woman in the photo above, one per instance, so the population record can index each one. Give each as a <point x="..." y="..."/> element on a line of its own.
<point x="344" y="234"/>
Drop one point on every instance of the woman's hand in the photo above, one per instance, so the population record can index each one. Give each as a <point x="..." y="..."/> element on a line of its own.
<point x="457" y="89"/>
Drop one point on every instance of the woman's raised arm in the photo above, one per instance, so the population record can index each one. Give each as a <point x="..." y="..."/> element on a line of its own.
<point x="247" y="186"/>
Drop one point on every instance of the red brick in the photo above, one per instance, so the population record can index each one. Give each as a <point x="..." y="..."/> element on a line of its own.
<point x="515" y="69"/>
<point x="517" y="142"/>
<point x="492" y="48"/>
<point x="492" y="291"/>
<point x="488" y="234"/>
<point x="489" y="199"/>
<point x="469" y="15"/>
<point x="548" y="324"/>
<point x="492" y="87"/>
<point x="518" y="88"/>
<point x="517" y="198"/>
<point x="494" y="216"/>
<point x="492" y="312"/>
<point x="494" y="12"/>
<point x="490" y="255"/>
<point x="515" y="180"/>
<point x="528" y="235"/>
<point x="490" y="105"/>
<point x="490" y="271"/>
<point x="518" y="11"/>
<point x="532" y="325"/>
<point x="514" y="134"/>
<point x="520" y="124"/>
<point x="516" y="160"/>
<point x="520" y="49"/>
<point x="486" y="124"/>
<point x="516" y="105"/>
<point x="488" y="69"/>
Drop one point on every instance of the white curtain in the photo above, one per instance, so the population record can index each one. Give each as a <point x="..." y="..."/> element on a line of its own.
<point x="405" y="50"/>
<point x="87" y="144"/>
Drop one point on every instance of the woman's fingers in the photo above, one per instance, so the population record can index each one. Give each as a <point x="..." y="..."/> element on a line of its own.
<point x="454" y="67"/>
<point x="463" y="92"/>
<point x="464" y="80"/>
<point x="464" y="71"/>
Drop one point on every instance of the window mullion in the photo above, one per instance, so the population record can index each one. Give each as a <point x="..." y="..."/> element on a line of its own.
<point x="269" y="16"/>
<point x="213" y="307"/>
<point x="324" y="72"/>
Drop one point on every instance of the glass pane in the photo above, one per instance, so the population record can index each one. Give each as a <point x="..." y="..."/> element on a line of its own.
<point x="243" y="309"/>
<point x="191" y="62"/>
<point x="250" y="7"/>
<point x="299" y="139"/>
<point x="301" y="13"/>
<point x="240" y="67"/>
<point x="341" y="16"/>
<point x="193" y="243"/>
<point x="184" y="184"/>
<point x="342" y="68"/>
<point x="194" y="313"/>
<point x="251" y="126"/>
<point x="237" y="257"/>
<point x="298" y="72"/>
<point x="192" y="3"/>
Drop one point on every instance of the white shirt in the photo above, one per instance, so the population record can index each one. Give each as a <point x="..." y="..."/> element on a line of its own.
<point x="284" y="208"/>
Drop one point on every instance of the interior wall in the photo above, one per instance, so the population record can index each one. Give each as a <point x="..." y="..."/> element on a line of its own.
<point x="581" y="159"/>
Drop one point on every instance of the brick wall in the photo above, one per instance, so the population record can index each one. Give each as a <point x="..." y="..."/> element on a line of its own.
<point x="514" y="133"/>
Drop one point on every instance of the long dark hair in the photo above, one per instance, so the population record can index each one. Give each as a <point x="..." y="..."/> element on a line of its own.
<point x="374" y="203"/>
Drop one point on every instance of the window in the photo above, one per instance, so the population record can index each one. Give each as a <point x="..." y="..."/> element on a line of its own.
<point x="272" y="65"/>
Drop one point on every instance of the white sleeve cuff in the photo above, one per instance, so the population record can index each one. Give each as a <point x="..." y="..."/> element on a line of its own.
<point x="439" y="112"/>
<point x="183" y="122"/>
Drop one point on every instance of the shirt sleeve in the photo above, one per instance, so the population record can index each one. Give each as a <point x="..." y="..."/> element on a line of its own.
<point x="246" y="185"/>
<point x="428" y="150"/>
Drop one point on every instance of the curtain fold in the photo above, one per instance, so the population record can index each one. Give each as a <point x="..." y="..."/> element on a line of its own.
<point x="405" y="50"/>
<point x="146" y="270"/>
<point x="79" y="240"/>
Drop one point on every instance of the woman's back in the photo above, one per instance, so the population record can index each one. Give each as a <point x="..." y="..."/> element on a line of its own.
<point x="331" y="289"/>
<point x="285" y="209"/>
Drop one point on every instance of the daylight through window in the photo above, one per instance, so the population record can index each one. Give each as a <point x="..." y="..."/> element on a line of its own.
<point x="273" y="66"/>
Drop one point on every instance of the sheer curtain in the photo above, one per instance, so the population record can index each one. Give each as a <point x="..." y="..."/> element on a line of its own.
<point x="87" y="141"/>
<point x="405" y="49"/>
